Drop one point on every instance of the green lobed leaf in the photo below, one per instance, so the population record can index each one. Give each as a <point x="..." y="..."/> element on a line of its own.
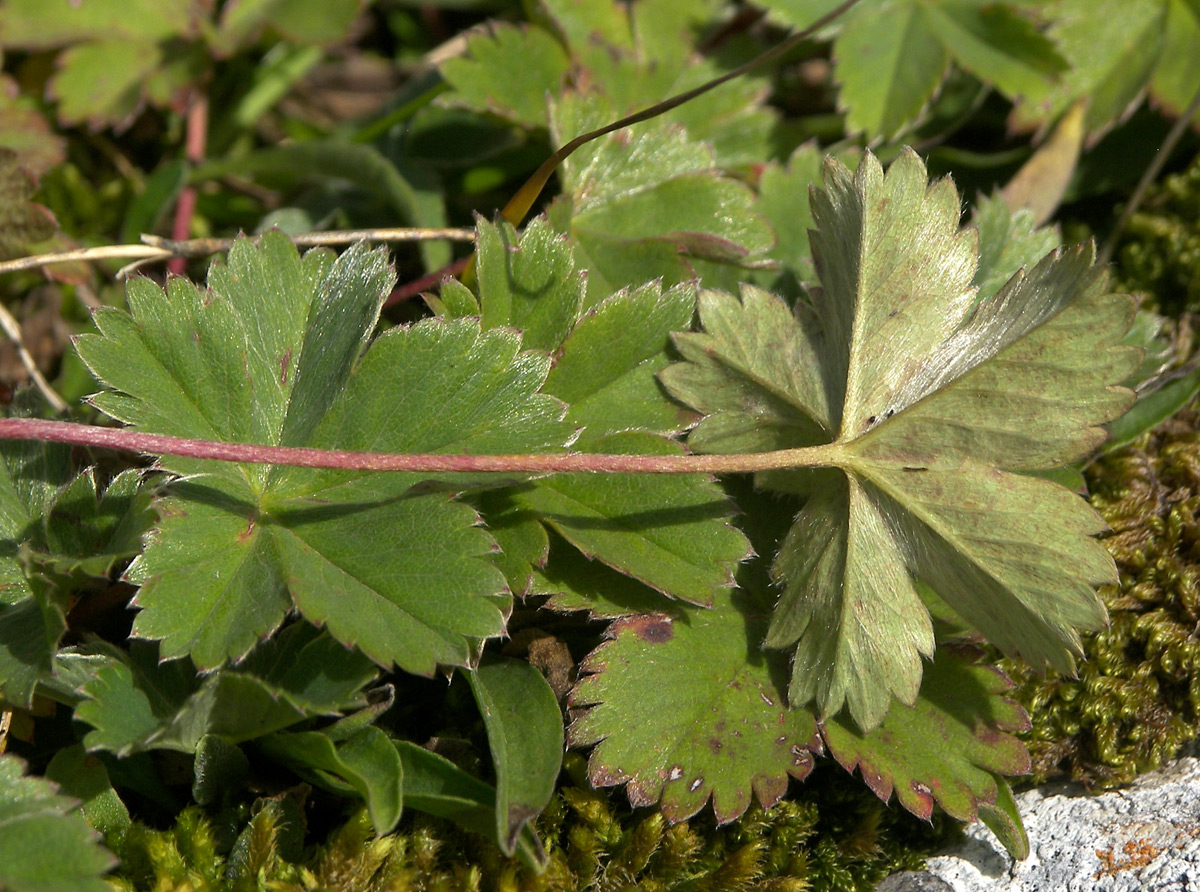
<point x="273" y="353"/>
<point x="888" y="62"/>
<point x="528" y="282"/>
<point x="84" y="777"/>
<point x="22" y="222"/>
<point x="629" y="58"/>
<point x="998" y="45"/>
<point x="1008" y="241"/>
<point x="933" y="398"/>
<point x="88" y="531"/>
<point x="222" y="363"/>
<point x="634" y="200"/>
<point x="33" y="24"/>
<point x="688" y="709"/>
<point x="946" y="748"/>
<point x="102" y="83"/>
<point x="1177" y="76"/>
<point x="134" y="703"/>
<point x="45" y="845"/>
<point x="670" y="531"/>
<point x="438" y="787"/>
<point x="606" y="369"/>
<point x="131" y="711"/>
<point x="509" y="71"/>
<point x="31" y="616"/>
<point x="1112" y="48"/>
<point x="525" y="736"/>
<point x="298" y="21"/>
<point x="366" y="763"/>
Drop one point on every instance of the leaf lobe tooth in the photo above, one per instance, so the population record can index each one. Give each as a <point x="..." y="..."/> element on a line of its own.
<point x="801" y="758"/>
<point x="638" y="794"/>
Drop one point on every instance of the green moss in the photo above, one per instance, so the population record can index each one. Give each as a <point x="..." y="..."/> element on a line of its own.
<point x="1160" y="251"/>
<point x="837" y="837"/>
<point x="1137" y="697"/>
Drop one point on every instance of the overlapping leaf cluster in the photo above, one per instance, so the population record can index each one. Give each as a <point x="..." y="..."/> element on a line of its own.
<point x="115" y="57"/>
<point x="932" y="375"/>
<point x="891" y="58"/>
<point x="932" y="388"/>
<point x="681" y="292"/>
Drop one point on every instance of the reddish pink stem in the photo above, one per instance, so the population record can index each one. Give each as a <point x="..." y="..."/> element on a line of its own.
<point x="416" y="286"/>
<point x="194" y="150"/>
<point x="160" y="444"/>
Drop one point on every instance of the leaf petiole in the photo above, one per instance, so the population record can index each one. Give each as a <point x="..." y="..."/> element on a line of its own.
<point x="828" y="455"/>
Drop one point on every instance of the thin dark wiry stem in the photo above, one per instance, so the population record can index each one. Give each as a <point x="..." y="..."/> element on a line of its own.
<point x="1149" y="175"/>
<point x="416" y="286"/>
<point x="514" y="212"/>
<point x="571" y="462"/>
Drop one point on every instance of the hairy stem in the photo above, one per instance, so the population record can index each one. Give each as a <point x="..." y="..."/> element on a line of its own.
<point x="829" y="455"/>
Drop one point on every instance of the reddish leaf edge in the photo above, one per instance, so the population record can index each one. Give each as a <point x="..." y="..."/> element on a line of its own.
<point x="918" y="798"/>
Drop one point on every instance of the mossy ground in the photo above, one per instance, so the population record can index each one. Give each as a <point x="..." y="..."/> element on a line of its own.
<point x="832" y="836"/>
<point x="1137" y="697"/>
<point x="1160" y="252"/>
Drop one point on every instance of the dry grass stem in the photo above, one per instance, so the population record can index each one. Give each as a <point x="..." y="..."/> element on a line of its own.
<point x="155" y="248"/>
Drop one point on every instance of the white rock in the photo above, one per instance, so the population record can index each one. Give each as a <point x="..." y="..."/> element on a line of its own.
<point x="1145" y="838"/>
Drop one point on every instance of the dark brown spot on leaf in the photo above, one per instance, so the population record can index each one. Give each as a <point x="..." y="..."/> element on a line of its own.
<point x="247" y="533"/>
<point x="652" y="627"/>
